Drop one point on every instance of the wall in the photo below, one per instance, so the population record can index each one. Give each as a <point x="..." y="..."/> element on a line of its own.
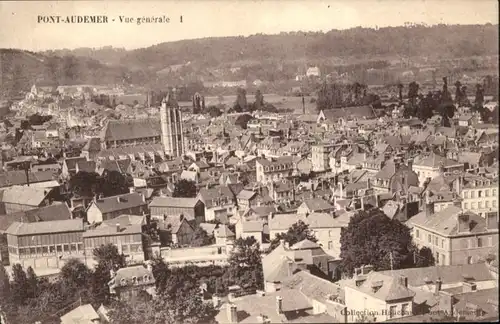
<point x="94" y="215"/>
<point x="488" y="199"/>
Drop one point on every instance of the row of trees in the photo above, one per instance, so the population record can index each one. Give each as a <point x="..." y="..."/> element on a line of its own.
<point x="179" y="290"/>
<point x="336" y="95"/>
<point x="89" y="184"/>
<point x="442" y="103"/>
<point x="27" y="298"/>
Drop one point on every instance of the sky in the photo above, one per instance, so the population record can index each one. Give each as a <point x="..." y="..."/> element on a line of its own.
<point x="19" y="26"/>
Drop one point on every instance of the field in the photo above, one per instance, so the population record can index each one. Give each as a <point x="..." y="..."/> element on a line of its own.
<point x="280" y="102"/>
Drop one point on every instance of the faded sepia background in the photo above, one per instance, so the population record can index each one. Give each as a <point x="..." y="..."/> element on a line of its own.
<point x="19" y="27"/>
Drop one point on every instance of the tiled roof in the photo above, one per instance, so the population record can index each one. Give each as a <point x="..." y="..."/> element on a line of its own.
<point x="83" y="314"/>
<point x="49" y="227"/>
<point x="116" y="130"/>
<point x="388" y="287"/>
<point x="445" y="221"/>
<point x="24" y="195"/>
<point x="305" y="245"/>
<point x="450" y="274"/>
<point x="252" y="226"/>
<point x="318" y="204"/>
<point x="223" y="231"/>
<point x="433" y="160"/>
<point x="15" y="177"/>
<point x="179" y="202"/>
<point x="120" y="202"/>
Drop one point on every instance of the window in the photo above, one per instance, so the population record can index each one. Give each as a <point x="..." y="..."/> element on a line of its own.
<point x="469" y="260"/>
<point x="52" y="249"/>
<point x="493" y="192"/>
<point x="429" y="238"/>
<point x="392" y="311"/>
<point x="443" y="259"/>
<point x="80" y="247"/>
<point x="487" y="193"/>
<point x="480" y="205"/>
<point x="473" y="205"/>
<point x="487" y="204"/>
<point x="59" y="248"/>
<point x="437" y="258"/>
<point x="442" y="244"/>
<point x="479" y="194"/>
<point x="490" y="241"/>
<point x="466" y="194"/>
<point x="494" y="203"/>
<point x="45" y="249"/>
<point x="405" y="310"/>
<point x="472" y="194"/>
<point x="436" y="241"/>
<point x="38" y="250"/>
<point x="479" y="242"/>
<point x="73" y="247"/>
<point x="330" y="233"/>
<point x="418" y="233"/>
<point x="466" y="205"/>
<point x="330" y="245"/>
<point x="32" y="250"/>
<point x="66" y="248"/>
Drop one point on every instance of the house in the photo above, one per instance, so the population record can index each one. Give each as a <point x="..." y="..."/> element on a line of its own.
<point x="22" y="198"/>
<point x="84" y="314"/>
<point x="315" y="205"/>
<point x="385" y="296"/>
<point x="124" y="231"/>
<point x="479" y="194"/>
<point x="223" y="235"/>
<point x="274" y="170"/>
<point x="193" y="209"/>
<point x="126" y="283"/>
<point x="282" y="262"/>
<point x="220" y="202"/>
<point x="69" y="166"/>
<point x="455" y="236"/>
<point x="432" y="165"/>
<point x="45" y="245"/>
<point x="326" y="227"/>
<point x="110" y="207"/>
<point x="313" y="72"/>
<point x="250" y="228"/>
<point x="177" y="230"/>
<point x="396" y="177"/>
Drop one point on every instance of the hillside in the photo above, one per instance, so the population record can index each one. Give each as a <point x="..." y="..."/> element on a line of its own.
<point x="19" y="70"/>
<point x="442" y="41"/>
<point x="267" y="57"/>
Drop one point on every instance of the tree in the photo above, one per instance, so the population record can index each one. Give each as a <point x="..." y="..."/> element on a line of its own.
<point x="75" y="274"/>
<point x="32" y="283"/>
<point x="19" y="285"/>
<point x="214" y="112"/>
<point x="114" y="183"/>
<point x="243" y="120"/>
<point x="245" y="264"/>
<point x="109" y="256"/>
<point x="241" y="100"/>
<point x="373" y="238"/>
<point x="413" y="88"/>
<point x="161" y="273"/>
<point x="259" y="100"/>
<point x="297" y="232"/>
<point x="423" y="257"/>
<point x="201" y="238"/>
<point x="5" y="293"/>
<point x="400" y="91"/>
<point x="185" y="188"/>
<point x="85" y="184"/>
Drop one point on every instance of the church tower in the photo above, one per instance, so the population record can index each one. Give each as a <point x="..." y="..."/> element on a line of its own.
<point x="172" y="136"/>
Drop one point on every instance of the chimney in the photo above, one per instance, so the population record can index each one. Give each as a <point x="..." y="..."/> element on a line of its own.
<point x="438" y="285"/>
<point x="291" y="268"/>
<point x="446" y="302"/>
<point x="410" y="164"/>
<point x="341" y="189"/>
<point x="468" y="286"/>
<point x="463" y="223"/>
<point x="232" y="313"/>
<point x="118" y="228"/>
<point x="279" y="304"/>
<point x="403" y="280"/>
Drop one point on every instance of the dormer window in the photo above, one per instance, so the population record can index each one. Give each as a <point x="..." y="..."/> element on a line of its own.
<point x="146" y="278"/>
<point x="134" y="280"/>
<point x="123" y="282"/>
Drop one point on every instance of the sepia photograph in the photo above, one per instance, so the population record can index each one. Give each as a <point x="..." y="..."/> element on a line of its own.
<point x="252" y="161"/>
